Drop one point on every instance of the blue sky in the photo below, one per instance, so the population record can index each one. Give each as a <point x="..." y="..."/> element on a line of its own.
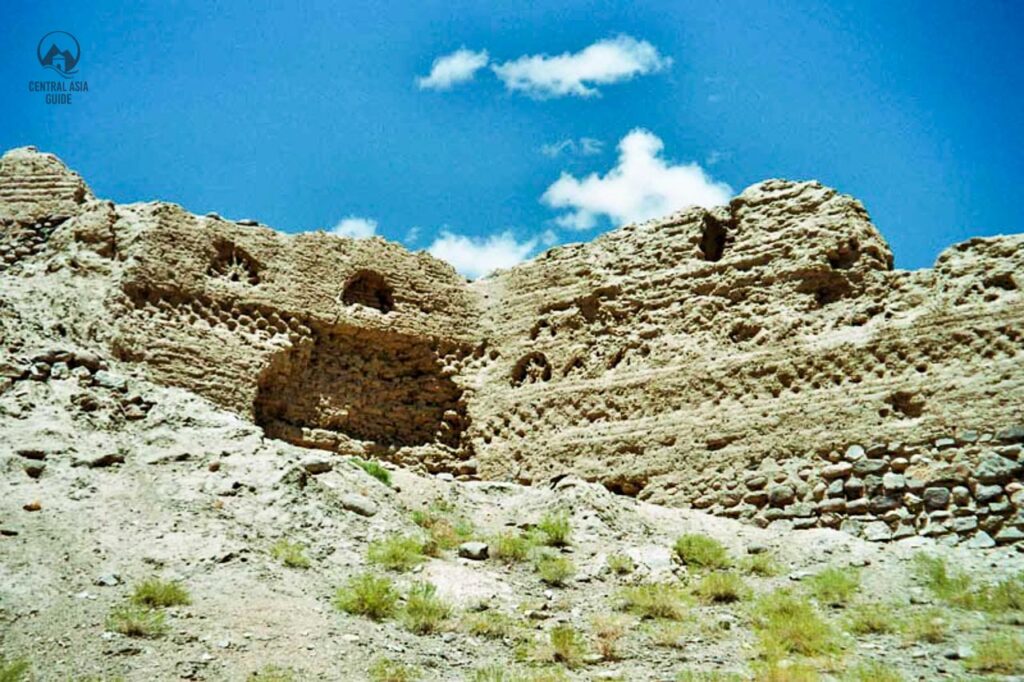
<point x="303" y="117"/>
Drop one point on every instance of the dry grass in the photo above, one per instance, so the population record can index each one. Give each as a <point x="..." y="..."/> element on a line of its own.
<point x="608" y="629"/>
<point x="490" y="624"/>
<point x="785" y="671"/>
<point x="762" y="565"/>
<point x="273" y="673"/>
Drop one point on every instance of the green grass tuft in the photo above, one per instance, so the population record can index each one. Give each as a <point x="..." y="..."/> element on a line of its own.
<point x="397" y="552"/>
<point x="785" y="671"/>
<point x="655" y="600"/>
<point x="762" y="565"/>
<point x="510" y="547"/>
<point x="721" y="588"/>
<point x="490" y="624"/>
<point x="291" y="554"/>
<point x="566" y="645"/>
<point x="14" y="671"/>
<point x="136" y="621"/>
<point x="872" y="671"/>
<point x="620" y="564"/>
<point x="835" y="586"/>
<point x="446" y="530"/>
<point x="929" y="626"/>
<point x="951" y="586"/>
<point x="871" y="619"/>
<point x="386" y="670"/>
<point x="424" y="612"/>
<point x="701" y="551"/>
<point x="1000" y="653"/>
<point x="788" y="624"/>
<point x="374" y="469"/>
<point x="555" y="570"/>
<point x="556" y="528"/>
<point x="367" y="595"/>
<point x="157" y="593"/>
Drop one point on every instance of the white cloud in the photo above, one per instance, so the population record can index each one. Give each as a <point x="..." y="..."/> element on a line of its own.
<point x="606" y="61"/>
<point x="458" y="67"/>
<point x="478" y="256"/>
<point x="586" y="146"/>
<point x="356" y="228"/>
<point x="643" y="185"/>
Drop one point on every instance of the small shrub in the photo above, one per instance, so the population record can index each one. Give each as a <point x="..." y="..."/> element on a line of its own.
<point x="871" y="619"/>
<point x="707" y="676"/>
<point x="510" y="547"/>
<point x="788" y="624"/>
<point x="621" y="564"/>
<point x="928" y="626"/>
<point x="386" y="670"/>
<point x="291" y="554"/>
<point x="655" y="600"/>
<point x="491" y="624"/>
<point x="1001" y="653"/>
<point x="762" y="565"/>
<point x="556" y="528"/>
<point x="701" y="551"/>
<point x="566" y="645"/>
<point x="397" y="552"/>
<point x="14" y="671"/>
<point x="367" y="595"/>
<point x="272" y="673"/>
<point x="608" y="630"/>
<point x="872" y="671"/>
<point x="555" y="570"/>
<point x="835" y="586"/>
<point x="136" y="621"/>
<point x="424" y="611"/>
<point x="374" y="469"/>
<point x="157" y="593"/>
<point x="721" y="588"/>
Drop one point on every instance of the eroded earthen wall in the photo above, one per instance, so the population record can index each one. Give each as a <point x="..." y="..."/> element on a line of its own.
<point x="761" y="361"/>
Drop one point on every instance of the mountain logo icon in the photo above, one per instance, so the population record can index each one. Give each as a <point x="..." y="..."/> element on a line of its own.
<point x="59" y="50"/>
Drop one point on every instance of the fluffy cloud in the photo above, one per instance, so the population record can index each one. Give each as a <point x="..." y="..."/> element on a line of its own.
<point x="604" y="62"/>
<point x="478" y="256"/>
<point x="356" y="228"/>
<point x="458" y="67"/>
<point x="643" y="185"/>
<point x="585" y="146"/>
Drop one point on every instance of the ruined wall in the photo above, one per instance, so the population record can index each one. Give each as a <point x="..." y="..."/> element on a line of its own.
<point x="679" y="358"/>
<point x="762" y="360"/>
